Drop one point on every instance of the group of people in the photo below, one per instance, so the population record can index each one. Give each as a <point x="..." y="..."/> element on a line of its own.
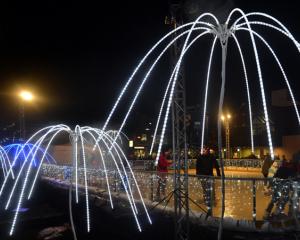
<point x="205" y="164"/>
<point x="281" y="185"/>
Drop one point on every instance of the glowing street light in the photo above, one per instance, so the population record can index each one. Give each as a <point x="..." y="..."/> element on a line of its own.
<point x="226" y="120"/>
<point x="25" y="96"/>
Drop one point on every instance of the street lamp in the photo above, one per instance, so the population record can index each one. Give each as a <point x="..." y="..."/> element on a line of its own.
<point x="25" y="96"/>
<point x="226" y="120"/>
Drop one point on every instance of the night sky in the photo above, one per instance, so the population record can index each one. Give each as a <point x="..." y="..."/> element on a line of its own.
<point x="76" y="56"/>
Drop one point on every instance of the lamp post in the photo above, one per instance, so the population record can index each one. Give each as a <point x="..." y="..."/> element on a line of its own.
<point x="25" y="96"/>
<point x="226" y="121"/>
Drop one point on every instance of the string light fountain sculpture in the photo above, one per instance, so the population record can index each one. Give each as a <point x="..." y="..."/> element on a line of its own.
<point x="208" y="25"/>
<point x="5" y="163"/>
<point x="81" y="138"/>
<point x="13" y="149"/>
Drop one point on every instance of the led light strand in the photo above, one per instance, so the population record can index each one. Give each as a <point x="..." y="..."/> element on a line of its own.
<point x="17" y="155"/>
<point x="206" y="93"/>
<point x="36" y="146"/>
<point x="76" y="164"/>
<point x="135" y="181"/>
<point x="260" y="81"/>
<point x="85" y="181"/>
<point x="41" y="161"/>
<point x="122" y="180"/>
<point x="166" y="91"/>
<point x="281" y="69"/>
<point x="248" y="91"/>
<point x="26" y="178"/>
<point x="275" y="20"/>
<point x="140" y="89"/>
<point x="174" y="82"/>
<point x="140" y="64"/>
<point x="105" y="170"/>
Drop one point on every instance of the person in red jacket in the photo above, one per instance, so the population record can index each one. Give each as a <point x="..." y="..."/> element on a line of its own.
<point x="162" y="173"/>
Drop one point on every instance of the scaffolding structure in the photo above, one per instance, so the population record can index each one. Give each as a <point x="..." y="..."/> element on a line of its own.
<point x="180" y="192"/>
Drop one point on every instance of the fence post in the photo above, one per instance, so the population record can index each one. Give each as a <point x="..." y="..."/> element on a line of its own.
<point x="152" y="185"/>
<point x="212" y="194"/>
<point x="254" y="199"/>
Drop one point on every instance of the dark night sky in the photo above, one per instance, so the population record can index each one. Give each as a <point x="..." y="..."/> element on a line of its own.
<point x="77" y="55"/>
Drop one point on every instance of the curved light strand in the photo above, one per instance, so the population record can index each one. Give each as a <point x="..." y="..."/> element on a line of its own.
<point x="26" y="180"/>
<point x="175" y="80"/>
<point x="248" y="91"/>
<point x="260" y="80"/>
<point x="168" y="86"/>
<point x="281" y="69"/>
<point x="140" y="89"/>
<point x="206" y="92"/>
<point x="138" y="67"/>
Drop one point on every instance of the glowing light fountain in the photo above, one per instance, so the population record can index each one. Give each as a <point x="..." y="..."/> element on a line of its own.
<point x="208" y="25"/>
<point x="13" y="149"/>
<point x="81" y="138"/>
<point x="5" y="163"/>
<point x="114" y="134"/>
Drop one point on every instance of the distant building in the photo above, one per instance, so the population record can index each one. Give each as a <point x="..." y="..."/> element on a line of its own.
<point x="282" y="98"/>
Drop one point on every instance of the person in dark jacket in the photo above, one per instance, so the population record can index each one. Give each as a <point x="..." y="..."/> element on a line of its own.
<point x="268" y="162"/>
<point x="205" y="164"/>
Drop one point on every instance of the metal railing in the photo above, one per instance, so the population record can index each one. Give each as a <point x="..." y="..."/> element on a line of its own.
<point x="245" y="198"/>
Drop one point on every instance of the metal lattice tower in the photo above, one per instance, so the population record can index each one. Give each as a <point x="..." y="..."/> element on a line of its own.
<point x="22" y="121"/>
<point x="227" y="139"/>
<point x="181" y="196"/>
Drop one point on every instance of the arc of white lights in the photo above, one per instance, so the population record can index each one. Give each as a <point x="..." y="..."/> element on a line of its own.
<point x="168" y="86"/>
<point x="76" y="166"/>
<point x="281" y="69"/>
<point x="140" y="89"/>
<point x="27" y="175"/>
<point x="6" y="158"/>
<point x="276" y="21"/>
<point x="288" y="34"/>
<point x="175" y="80"/>
<point x="85" y="182"/>
<point x="124" y="184"/>
<point x="3" y="159"/>
<point x="140" y="64"/>
<point x="118" y="150"/>
<point x="124" y="170"/>
<point x="248" y="91"/>
<point x="104" y="166"/>
<point x="206" y="93"/>
<point x="2" y="164"/>
<point x="126" y="176"/>
<point x="260" y="79"/>
<point x="133" y="176"/>
<point x="17" y="155"/>
<point x="41" y="162"/>
<point x="35" y="149"/>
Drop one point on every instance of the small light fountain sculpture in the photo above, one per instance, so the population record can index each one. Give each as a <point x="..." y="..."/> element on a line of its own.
<point x="5" y="163"/>
<point x="13" y="149"/>
<point x="80" y="138"/>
